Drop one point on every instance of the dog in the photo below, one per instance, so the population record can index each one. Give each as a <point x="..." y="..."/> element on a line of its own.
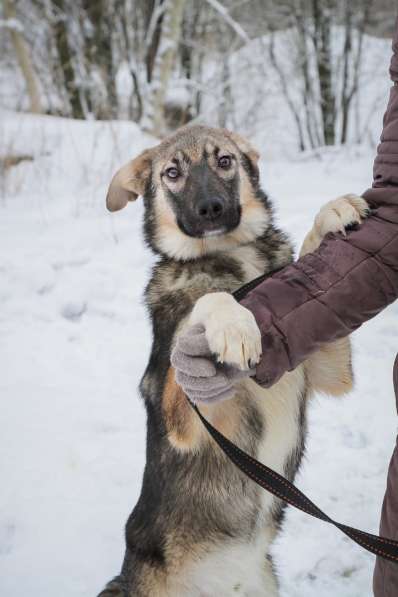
<point x="200" y="527"/>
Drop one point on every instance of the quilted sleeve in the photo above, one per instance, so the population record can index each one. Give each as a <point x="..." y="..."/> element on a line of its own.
<point x="328" y="294"/>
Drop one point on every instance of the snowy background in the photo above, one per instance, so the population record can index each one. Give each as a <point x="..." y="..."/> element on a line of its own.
<point x="75" y="338"/>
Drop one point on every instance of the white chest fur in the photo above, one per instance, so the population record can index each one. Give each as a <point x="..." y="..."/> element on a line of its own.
<point x="234" y="570"/>
<point x="280" y="406"/>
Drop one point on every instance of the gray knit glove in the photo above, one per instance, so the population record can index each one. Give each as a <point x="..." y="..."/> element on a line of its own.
<point x="199" y="375"/>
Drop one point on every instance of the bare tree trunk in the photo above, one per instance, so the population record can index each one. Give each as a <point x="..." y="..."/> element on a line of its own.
<point x="191" y="56"/>
<point x="128" y="22"/>
<point x="286" y="92"/>
<point x="345" y="99"/>
<point x="348" y="92"/>
<point x="100" y="52"/>
<point x="24" y="60"/>
<point x="153" y="27"/>
<point x="304" y="61"/>
<point x="154" y="118"/>
<point x="65" y="60"/>
<point x="322" y="12"/>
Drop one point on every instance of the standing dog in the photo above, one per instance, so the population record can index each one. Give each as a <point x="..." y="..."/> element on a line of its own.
<point x="200" y="527"/>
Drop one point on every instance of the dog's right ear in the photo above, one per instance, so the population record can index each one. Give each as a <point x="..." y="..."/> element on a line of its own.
<point x="129" y="182"/>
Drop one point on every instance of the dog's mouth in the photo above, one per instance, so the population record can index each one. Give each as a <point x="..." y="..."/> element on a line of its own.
<point x="217" y="232"/>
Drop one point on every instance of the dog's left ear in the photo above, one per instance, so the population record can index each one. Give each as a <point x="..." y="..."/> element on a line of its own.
<point x="247" y="149"/>
<point x="129" y="182"/>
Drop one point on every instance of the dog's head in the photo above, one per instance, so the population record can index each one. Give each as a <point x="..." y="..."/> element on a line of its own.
<point x="201" y="192"/>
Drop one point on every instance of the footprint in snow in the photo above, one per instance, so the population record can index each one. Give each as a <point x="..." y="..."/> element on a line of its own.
<point x="73" y="310"/>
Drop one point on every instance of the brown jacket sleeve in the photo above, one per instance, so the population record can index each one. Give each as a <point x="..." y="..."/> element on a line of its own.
<point x="328" y="294"/>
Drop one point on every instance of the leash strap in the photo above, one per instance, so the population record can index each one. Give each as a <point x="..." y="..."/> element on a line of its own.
<point x="282" y="488"/>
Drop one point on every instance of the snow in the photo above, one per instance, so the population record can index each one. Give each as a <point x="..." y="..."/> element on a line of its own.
<point x="12" y="24"/>
<point x="350" y="439"/>
<point x="74" y="342"/>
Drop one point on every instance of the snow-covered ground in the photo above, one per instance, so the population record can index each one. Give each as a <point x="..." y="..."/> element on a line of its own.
<point x="74" y="340"/>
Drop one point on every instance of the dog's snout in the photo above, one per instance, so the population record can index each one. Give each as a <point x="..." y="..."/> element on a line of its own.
<point x="210" y="209"/>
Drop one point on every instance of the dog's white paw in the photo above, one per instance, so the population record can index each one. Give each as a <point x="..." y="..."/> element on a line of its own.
<point x="230" y="329"/>
<point x="235" y="341"/>
<point x="340" y="213"/>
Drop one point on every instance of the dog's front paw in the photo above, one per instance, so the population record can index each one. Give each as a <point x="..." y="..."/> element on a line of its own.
<point x="231" y="330"/>
<point x="337" y="215"/>
<point x="341" y="213"/>
<point x="235" y="340"/>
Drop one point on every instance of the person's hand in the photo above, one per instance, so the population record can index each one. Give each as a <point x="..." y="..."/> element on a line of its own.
<point x="198" y="374"/>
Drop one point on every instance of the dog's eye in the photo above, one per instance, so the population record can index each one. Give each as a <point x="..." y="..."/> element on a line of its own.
<point x="224" y="162"/>
<point x="172" y="173"/>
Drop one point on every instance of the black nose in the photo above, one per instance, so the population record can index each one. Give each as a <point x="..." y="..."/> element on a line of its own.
<point x="210" y="209"/>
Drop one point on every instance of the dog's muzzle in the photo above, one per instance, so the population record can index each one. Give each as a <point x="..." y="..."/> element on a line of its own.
<point x="210" y="217"/>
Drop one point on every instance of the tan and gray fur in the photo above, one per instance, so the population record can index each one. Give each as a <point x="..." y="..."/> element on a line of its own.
<point x="200" y="527"/>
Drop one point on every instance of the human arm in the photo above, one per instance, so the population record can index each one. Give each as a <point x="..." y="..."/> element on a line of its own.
<point x="328" y="294"/>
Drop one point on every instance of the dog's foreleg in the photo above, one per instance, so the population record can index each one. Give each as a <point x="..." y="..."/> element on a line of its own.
<point x="184" y="428"/>
<point x="234" y="339"/>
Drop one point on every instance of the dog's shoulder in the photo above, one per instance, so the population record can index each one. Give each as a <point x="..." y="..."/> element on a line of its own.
<point x="275" y="248"/>
<point x="270" y="252"/>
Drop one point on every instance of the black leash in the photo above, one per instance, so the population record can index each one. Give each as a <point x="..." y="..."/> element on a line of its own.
<point x="282" y="488"/>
